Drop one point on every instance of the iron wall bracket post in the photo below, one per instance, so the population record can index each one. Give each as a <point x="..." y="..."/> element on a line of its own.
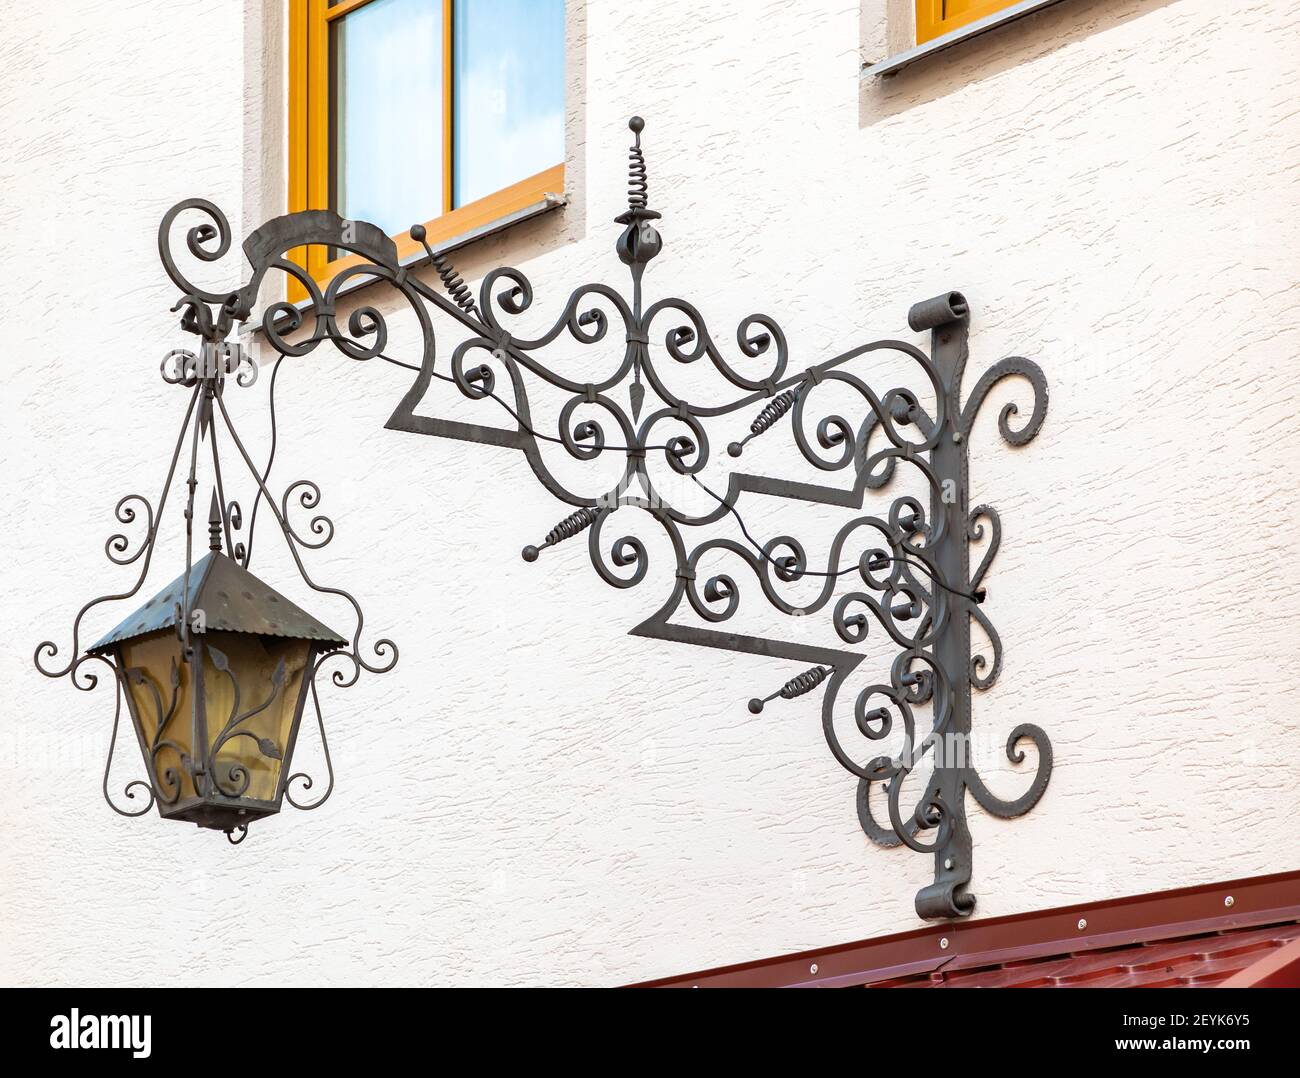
<point x="954" y="663"/>
<point x="948" y="322"/>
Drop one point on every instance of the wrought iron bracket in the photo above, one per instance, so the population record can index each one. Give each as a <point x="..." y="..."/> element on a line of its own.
<point x="908" y="564"/>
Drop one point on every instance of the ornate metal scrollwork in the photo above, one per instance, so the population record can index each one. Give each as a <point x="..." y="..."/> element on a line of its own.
<point x="206" y="373"/>
<point x="909" y="563"/>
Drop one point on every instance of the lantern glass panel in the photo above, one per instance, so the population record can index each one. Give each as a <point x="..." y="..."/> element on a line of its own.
<point x="252" y="689"/>
<point x="249" y="741"/>
<point x="162" y="695"/>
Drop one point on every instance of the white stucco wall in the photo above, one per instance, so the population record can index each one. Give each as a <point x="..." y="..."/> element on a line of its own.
<point x="532" y="796"/>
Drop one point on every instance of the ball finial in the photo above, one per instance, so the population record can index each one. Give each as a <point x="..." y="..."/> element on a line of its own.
<point x="417" y="233"/>
<point x="636" y="125"/>
<point x="530" y="553"/>
<point x="755" y="706"/>
<point x="735" y="449"/>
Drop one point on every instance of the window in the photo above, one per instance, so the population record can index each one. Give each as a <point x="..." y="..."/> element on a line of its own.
<point x="936" y="17"/>
<point x="445" y="112"/>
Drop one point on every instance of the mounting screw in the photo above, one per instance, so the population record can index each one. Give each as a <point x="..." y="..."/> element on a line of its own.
<point x="1229" y="901"/>
<point x="956" y="437"/>
<point x="943" y="944"/>
<point x="947" y="862"/>
<point x="812" y="968"/>
<point x="1082" y="924"/>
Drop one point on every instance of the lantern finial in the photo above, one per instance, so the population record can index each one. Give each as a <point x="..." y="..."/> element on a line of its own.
<point x="215" y="522"/>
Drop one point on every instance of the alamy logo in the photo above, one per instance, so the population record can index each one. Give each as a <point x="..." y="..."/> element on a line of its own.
<point x="76" y="1030"/>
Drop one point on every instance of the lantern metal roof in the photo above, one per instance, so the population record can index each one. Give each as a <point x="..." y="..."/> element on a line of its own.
<point x="231" y="598"/>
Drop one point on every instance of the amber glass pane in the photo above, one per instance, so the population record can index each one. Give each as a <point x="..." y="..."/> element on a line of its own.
<point x="149" y="664"/>
<point x="248" y="741"/>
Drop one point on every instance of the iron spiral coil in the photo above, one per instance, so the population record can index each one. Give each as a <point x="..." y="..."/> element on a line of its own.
<point x="454" y="283"/>
<point x="773" y="410"/>
<point x="570" y="526"/>
<point x="805" y="682"/>
<point x="638" y="186"/>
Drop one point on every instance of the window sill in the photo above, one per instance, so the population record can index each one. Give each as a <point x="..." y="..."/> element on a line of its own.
<point x="463" y="225"/>
<point x="416" y="258"/>
<point x="894" y="64"/>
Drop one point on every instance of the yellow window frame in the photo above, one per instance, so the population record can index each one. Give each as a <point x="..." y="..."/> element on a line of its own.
<point x="309" y="146"/>
<point x="937" y="17"/>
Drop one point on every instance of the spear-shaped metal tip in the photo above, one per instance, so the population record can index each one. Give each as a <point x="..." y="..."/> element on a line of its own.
<point x="205" y="415"/>
<point x="215" y="522"/>
<point x="636" y="392"/>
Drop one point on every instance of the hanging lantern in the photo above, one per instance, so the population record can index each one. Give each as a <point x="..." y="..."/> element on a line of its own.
<point x="217" y="668"/>
<point x="217" y="726"/>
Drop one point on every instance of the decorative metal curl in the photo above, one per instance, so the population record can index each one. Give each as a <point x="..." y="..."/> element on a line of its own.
<point x="204" y="372"/>
<point x="915" y="566"/>
<point x="117" y="547"/>
<point x="129" y="790"/>
<point x="307" y="782"/>
<point x="308" y="497"/>
<point x="198" y="240"/>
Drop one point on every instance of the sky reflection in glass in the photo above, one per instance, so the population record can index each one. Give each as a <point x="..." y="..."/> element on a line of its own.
<point x="509" y="99"/>
<point x="388" y="137"/>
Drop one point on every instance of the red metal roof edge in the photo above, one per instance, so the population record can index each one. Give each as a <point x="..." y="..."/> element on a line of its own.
<point x="1281" y="969"/>
<point x="1117" y="922"/>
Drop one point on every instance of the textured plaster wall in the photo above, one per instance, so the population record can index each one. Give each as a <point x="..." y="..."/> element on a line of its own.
<point x="533" y="796"/>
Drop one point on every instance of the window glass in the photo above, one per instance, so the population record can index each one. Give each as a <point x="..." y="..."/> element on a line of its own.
<point x="387" y="110"/>
<point x="509" y="93"/>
